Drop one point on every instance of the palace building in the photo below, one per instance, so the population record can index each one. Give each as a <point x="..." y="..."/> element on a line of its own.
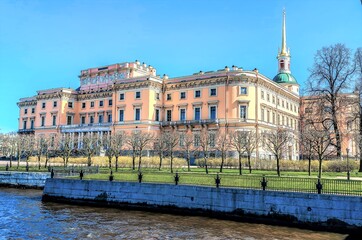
<point x="131" y="96"/>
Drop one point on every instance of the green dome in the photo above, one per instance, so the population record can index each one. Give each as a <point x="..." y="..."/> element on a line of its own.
<point x="284" y="78"/>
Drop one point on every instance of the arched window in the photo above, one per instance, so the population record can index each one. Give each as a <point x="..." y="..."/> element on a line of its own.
<point x="282" y="64"/>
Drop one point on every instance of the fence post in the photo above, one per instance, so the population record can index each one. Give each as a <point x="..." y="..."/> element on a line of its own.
<point x="217" y="181"/>
<point x="140" y="175"/>
<point x="319" y="186"/>
<point x="177" y="178"/>
<point x="111" y="176"/>
<point x="52" y="173"/>
<point x="264" y="183"/>
<point x="7" y="167"/>
<point x="81" y="174"/>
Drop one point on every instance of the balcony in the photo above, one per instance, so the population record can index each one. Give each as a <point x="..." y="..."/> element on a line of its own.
<point x="189" y="122"/>
<point x="91" y="127"/>
<point x="26" y="131"/>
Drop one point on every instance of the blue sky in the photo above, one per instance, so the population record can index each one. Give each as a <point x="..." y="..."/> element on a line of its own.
<point x="45" y="44"/>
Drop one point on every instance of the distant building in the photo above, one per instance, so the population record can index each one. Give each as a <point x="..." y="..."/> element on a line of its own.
<point x="130" y="96"/>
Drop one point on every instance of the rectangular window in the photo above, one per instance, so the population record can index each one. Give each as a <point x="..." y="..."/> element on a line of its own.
<point x="25" y="111"/>
<point x="121" y="115"/>
<point x="262" y="94"/>
<point x="278" y="118"/>
<point x="83" y="120"/>
<point x="182" y="114"/>
<point x="197" y="113"/>
<point x="109" y="117"/>
<point x="268" y="116"/>
<point x="268" y="97"/>
<point x="197" y="93"/>
<point x="157" y="96"/>
<point x="121" y="96"/>
<point x="33" y="110"/>
<point x="70" y="104"/>
<point x="157" y="115"/>
<point x="212" y="140"/>
<point x="212" y="112"/>
<point x="138" y="95"/>
<point x="54" y="120"/>
<point x="55" y="104"/>
<point x="43" y="105"/>
<point x="42" y="121"/>
<point x="69" y="120"/>
<point x="100" y="119"/>
<point x="110" y="102"/>
<point x="283" y="120"/>
<point x="101" y="103"/>
<point x="24" y="124"/>
<point x="273" y="118"/>
<point x="168" y="98"/>
<point x="31" y="124"/>
<point x="182" y="95"/>
<point x="262" y="115"/>
<point x="273" y="99"/>
<point x="182" y="140"/>
<point x="287" y="105"/>
<point x="212" y="91"/>
<point x="243" y="90"/>
<point x="83" y="105"/>
<point x="168" y="115"/>
<point x="196" y="140"/>
<point x="92" y="104"/>
<point x="243" y="112"/>
<point x="137" y="116"/>
<point x="282" y="103"/>
<point x="278" y="102"/>
<point x="91" y="119"/>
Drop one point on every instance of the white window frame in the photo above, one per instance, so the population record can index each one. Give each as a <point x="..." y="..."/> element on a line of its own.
<point x="210" y="90"/>
<point x="135" y="114"/>
<point x="246" y="111"/>
<point x="180" y="114"/>
<point x="210" y="106"/>
<point x="195" y="113"/>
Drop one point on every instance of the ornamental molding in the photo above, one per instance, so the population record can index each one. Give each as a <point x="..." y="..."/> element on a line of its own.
<point x="96" y="95"/>
<point x="26" y="104"/>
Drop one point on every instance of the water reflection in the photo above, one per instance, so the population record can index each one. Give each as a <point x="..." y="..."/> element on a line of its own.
<point x="24" y="216"/>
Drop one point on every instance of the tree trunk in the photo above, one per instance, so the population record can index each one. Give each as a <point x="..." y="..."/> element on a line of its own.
<point x="11" y="161"/>
<point x="360" y="140"/>
<point x="249" y="162"/>
<point x="64" y="162"/>
<point x="336" y="129"/>
<point x="171" y="162"/>
<point x="19" y="156"/>
<point x="133" y="159"/>
<point x="161" y="158"/>
<point x="139" y="161"/>
<point x="89" y="161"/>
<point x="278" y="166"/>
<point x="39" y="162"/>
<point x="222" y="161"/>
<point x="110" y="162"/>
<point x="309" y="165"/>
<point x="46" y="160"/>
<point x="240" y="167"/>
<point x="116" y="163"/>
<point x="320" y="168"/>
<point x="207" y="171"/>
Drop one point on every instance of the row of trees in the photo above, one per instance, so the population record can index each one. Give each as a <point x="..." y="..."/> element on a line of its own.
<point x="199" y="144"/>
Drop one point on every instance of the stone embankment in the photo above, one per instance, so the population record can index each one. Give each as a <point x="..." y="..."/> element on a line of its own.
<point x="314" y="211"/>
<point x="23" y="179"/>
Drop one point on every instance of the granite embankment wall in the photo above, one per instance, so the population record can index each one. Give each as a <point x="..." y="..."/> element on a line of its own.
<point x="329" y="212"/>
<point x="23" y="179"/>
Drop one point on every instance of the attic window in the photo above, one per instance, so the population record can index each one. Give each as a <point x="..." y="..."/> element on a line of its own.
<point x="103" y="68"/>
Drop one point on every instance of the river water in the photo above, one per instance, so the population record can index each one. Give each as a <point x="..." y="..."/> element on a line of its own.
<point x="24" y="216"/>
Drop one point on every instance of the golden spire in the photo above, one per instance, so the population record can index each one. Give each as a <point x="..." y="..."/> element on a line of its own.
<point x="284" y="37"/>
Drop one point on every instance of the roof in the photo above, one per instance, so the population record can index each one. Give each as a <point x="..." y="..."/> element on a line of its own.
<point x="285" y="78"/>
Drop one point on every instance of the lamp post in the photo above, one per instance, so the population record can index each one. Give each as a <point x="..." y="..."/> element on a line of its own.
<point x="348" y="175"/>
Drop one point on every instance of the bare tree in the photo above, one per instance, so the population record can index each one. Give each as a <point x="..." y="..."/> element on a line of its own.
<point x="91" y="145"/>
<point x="144" y="140"/>
<point x="65" y="147"/>
<point x="186" y="144"/>
<point x="108" y="145"/>
<point x="306" y="141"/>
<point x="132" y="142"/>
<point x="172" y="140"/>
<point x="358" y="62"/>
<point x="119" y="140"/>
<point x="9" y="145"/>
<point x="276" y="142"/>
<point x="160" y="146"/>
<point x="330" y="76"/>
<point x="207" y="142"/>
<point x="223" y="146"/>
<point x="38" y="147"/>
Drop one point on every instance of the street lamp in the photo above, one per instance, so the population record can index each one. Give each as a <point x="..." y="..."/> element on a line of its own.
<point x="348" y="175"/>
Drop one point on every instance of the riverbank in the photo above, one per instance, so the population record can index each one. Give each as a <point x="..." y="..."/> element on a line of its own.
<point x="313" y="211"/>
<point x="34" y="180"/>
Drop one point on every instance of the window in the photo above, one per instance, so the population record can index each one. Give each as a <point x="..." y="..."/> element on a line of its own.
<point x="213" y="92"/>
<point x="262" y="94"/>
<point x="69" y="120"/>
<point x="197" y="93"/>
<point x="92" y="104"/>
<point x="287" y="121"/>
<point x="54" y="120"/>
<point x="243" y="90"/>
<point x="287" y="105"/>
<point x="158" y="96"/>
<point x="100" y="118"/>
<point x="43" y="105"/>
<point x="273" y="119"/>
<point x="291" y="123"/>
<point x="295" y="108"/>
<point x="91" y="119"/>
<point x="31" y="124"/>
<point x="24" y="124"/>
<point x="101" y="103"/>
<point x="25" y="111"/>
<point x="42" y="121"/>
<point x="110" y="102"/>
<point x="268" y="97"/>
<point x="55" y="104"/>
<point x="33" y="110"/>
<point x="197" y="113"/>
<point x="282" y="103"/>
<point x="157" y="115"/>
<point x="182" y="114"/>
<point x="83" y="105"/>
<point x="168" y="98"/>
<point x="83" y="120"/>
<point x="308" y="110"/>
<point x="183" y="95"/>
<point x="212" y="140"/>
<point x="278" y="118"/>
<point x="283" y="120"/>
<point x="121" y="96"/>
<point x="212" y="112"/>
<point x="137" y="116"/>
<point x="138" y="95"/>
<point x="182" y="140"/>
<point x="268" y="116"/>
<point x="243" y="112"/>
<point x="262" y="114"/>
<point x="169" y="115"/>
<point x="109" y="117"/>
<point x="278" y="102"/>
<point x="196" y="140"/>
<point x="121" y="115"/>
<point x="273" y="99"/>
<point x="70" y="104"/>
